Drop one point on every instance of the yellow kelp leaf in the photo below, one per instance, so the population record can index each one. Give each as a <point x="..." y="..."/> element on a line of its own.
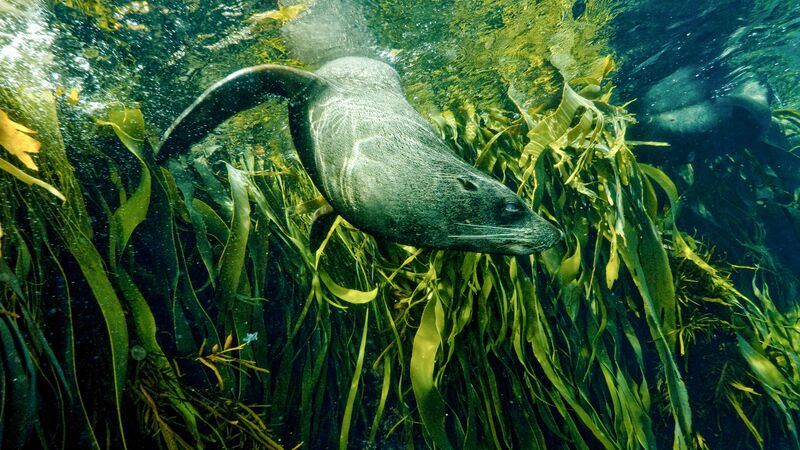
<point x="282" y="14"/>
<point x="600" y="71"/>
<point x="744" y="388"/>
<point x="349" y="295"/>
<point x="14" y="138"/>
<point x="767" y="373"/>
<point x="612" y="267"/>
<point x="72" y="97"/>
<point x="228" y="342"/>
<point x="27" y="179"/>
<point x="570" y="266"/>
<point x="128" y="125"/>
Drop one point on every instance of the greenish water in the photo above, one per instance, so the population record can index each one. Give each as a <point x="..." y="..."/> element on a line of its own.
<point x="179" y="305"/>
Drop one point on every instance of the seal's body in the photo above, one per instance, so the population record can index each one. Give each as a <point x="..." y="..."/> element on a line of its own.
<point x="698" y="109"/>
<point x="374" y="158"/>
<point x="382" y="167"/>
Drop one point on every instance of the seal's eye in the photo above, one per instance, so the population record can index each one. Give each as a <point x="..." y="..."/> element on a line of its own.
<point x="512" y="207"/>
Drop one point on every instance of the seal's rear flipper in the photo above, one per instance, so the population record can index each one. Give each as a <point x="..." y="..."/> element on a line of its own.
<point x="237" y="92"/>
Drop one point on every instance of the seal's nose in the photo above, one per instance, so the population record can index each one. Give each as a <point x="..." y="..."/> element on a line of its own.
<point x="557" y="234"/>
<point x="544" y="233"/>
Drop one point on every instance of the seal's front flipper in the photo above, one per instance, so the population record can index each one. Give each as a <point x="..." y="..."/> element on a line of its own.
<point x="237" y="92"/>
<point x="320" y="226"/>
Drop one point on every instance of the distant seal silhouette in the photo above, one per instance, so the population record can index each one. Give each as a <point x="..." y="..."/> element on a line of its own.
<point x="690" y="109"/>
<point x="376" y="161"/>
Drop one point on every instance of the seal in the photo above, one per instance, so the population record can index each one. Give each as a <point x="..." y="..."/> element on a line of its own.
<point x="373" y="157"/>
<point x="697" y="108"/>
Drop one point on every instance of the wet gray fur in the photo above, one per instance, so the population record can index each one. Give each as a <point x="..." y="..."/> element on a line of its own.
<point x="384" y="168"/>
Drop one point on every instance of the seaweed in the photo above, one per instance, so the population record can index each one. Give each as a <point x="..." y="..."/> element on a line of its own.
<point x="181" y="306"/>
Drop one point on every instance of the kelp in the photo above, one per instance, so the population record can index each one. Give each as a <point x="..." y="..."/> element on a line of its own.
<point x="100" y="10"/>
<point x="492" y="53"/>
<point x="15" y="139"/>
<point x="759" y="184"/>
<point x="29" y="216"/>
<point x="217" y="327"/>
<point x="591" y="153"/>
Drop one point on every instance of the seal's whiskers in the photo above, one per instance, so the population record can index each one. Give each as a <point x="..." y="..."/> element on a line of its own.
<point x="484" y="236"/>
<point x="492" y="227"/>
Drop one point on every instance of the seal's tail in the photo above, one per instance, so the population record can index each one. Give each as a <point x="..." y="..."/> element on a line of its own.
<point x="327" y="29"/>
<point x="237" y="92"/>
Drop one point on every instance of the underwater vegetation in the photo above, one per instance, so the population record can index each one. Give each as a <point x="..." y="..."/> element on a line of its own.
<point x="180" y="307"/>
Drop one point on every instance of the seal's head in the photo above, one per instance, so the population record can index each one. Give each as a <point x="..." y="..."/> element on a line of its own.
<point x="478" y="213"/>
<point x="489" y="217"/>
<point x="445" y="203"/>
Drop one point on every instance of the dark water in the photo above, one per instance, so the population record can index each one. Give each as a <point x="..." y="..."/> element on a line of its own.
<point x="718" y="80"/>
<point x="743" y="186"/>
<point x="744" y="38"/>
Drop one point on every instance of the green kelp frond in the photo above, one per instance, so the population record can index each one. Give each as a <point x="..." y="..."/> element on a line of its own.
<point x="104" y="14"/>
<point x="32" y="286"/>
<point x="482" y="51"/>
<point x="771" y="346"/>
<point x="615" y="279"/>
<point x="575" y="165"/>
